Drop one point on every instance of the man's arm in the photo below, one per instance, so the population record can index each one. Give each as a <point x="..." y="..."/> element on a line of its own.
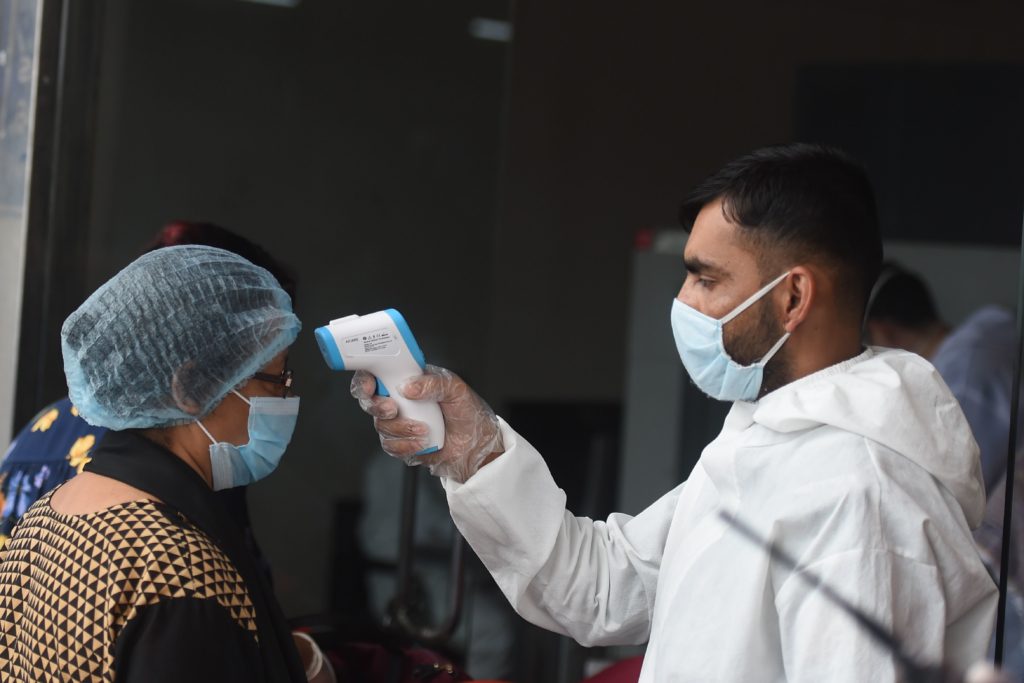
<point x="593" y="581"/>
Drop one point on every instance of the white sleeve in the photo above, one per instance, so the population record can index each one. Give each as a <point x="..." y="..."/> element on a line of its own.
<point x="593" y="581"/>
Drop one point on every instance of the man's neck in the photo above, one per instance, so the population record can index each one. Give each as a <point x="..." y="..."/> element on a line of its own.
<point x="799" y="364"/>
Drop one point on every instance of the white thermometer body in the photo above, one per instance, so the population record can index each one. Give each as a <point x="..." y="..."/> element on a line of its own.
<point x="382" y="343"/>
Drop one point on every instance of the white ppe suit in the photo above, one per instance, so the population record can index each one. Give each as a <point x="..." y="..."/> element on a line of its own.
<point x="865" y="473"/>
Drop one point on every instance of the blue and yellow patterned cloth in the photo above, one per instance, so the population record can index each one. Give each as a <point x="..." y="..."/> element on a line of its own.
<point x="51" y="449"/>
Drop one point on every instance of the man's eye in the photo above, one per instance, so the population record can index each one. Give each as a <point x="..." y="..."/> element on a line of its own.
<point x="704" y="282"/>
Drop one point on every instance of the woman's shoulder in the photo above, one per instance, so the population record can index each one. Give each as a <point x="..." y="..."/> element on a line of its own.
<point x="136" y="554"/>
<point x="157" y="555"/>
<point x="130" y="563"/>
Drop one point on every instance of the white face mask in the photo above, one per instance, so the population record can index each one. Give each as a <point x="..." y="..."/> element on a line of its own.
<point x="702" y="349"/>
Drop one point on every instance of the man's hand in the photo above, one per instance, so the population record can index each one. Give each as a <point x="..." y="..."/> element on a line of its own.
<point x="471" y="439"/>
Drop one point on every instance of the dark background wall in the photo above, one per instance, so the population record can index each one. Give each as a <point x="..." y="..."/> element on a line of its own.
<point x="942" y="142"/>
<point x="365" y="144"/>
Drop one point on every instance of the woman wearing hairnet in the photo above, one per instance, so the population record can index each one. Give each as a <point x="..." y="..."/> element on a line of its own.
<point x="133" y="570"/>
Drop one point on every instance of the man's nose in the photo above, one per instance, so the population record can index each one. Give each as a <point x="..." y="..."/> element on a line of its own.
<point x="684" y="294"/>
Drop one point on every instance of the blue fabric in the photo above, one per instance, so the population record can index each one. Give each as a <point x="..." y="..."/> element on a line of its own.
<point x="976" y="362"/>
<point x="51" y="449"/>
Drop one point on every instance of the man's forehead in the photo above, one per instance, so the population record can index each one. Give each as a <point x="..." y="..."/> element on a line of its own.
<point x="714" y="242"/>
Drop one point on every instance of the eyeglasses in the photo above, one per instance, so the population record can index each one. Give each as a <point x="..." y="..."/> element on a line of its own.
<point x="284" y="379"/>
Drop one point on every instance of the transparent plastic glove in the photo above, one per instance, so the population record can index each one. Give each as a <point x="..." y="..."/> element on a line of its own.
<point x="318" y="667"/>
<point x="471" y="439"/>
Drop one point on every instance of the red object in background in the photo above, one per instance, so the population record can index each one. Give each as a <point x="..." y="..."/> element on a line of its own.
<point x="626" y="671"/>
<point x="643" y="239"/>
<point x="379" y="662"/>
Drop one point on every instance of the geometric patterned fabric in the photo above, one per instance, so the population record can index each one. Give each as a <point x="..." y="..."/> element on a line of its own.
<point x="70" y="583"/>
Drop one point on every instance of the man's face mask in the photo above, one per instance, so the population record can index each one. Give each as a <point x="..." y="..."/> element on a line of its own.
<point x="271" y="424"/>
<point x="702" y="349"/>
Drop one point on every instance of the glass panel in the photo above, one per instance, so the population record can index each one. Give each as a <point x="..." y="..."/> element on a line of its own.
<point x="19" y="40"/>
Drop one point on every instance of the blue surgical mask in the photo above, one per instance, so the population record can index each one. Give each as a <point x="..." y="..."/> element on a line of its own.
<point x="702" y="349"/>
<point x="271" y="424"/>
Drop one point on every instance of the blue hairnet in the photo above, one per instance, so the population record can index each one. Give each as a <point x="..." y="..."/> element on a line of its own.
<point x="169" y="336"/>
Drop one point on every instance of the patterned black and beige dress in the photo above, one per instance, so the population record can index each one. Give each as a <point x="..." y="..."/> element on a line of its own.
<point x="136" y="592"/>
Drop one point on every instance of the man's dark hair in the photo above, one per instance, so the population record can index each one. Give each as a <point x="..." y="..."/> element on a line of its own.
<point x="213" y="235"/>
<point x="800" y="202"/>
<point x="902" y="297"/>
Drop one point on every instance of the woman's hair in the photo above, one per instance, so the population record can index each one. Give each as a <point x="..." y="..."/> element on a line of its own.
<point x="181" y="232"/>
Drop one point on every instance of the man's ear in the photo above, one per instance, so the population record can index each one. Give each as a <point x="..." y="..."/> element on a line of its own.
<point x="797" y="293"/>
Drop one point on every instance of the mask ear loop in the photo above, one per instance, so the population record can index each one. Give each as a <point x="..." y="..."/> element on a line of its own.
<point x="753" y="298"/>
<point x="772" y="351"/>
<point x="207" y="432"/>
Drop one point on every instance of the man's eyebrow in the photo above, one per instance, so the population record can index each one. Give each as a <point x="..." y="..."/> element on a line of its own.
<point x="699" y="267"/>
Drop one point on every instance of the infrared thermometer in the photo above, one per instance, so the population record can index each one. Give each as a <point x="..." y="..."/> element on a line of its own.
<point x="382" y="343"/>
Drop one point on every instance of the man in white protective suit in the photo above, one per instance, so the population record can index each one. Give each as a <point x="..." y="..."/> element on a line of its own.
<point x="855" y="462"/>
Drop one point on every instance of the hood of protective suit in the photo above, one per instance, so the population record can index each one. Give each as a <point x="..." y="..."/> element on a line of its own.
<point x="896" y="399"/>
